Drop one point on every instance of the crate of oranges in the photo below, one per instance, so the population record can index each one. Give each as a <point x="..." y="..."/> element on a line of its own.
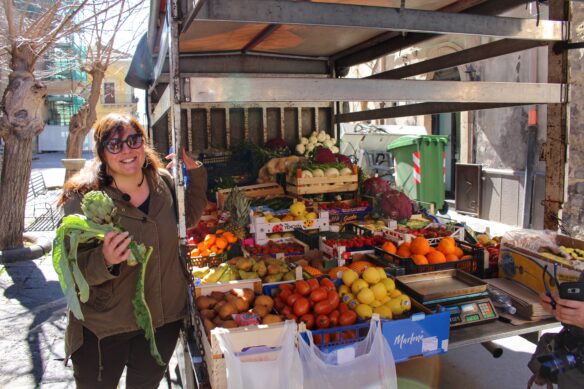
<point x="212" y="250"/>
<point x="420" y="256"/>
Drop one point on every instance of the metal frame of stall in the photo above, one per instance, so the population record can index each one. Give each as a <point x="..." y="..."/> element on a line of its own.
<point x="274" y="79"/>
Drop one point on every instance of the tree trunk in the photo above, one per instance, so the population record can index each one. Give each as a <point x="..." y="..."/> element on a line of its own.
<point x="84" y="119"/>
<point x="23" y="103"/>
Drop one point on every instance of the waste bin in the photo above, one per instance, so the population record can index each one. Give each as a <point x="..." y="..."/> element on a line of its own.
<point x="420" y="166"/>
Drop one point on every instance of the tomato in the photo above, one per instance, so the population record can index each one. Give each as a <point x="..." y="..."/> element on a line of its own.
<point x="286" y="310"/>
<point x="301" y="306"/>
<point x="334" y="318"/>
<point x="322" y="339"/>
<point x="284" y="294"/>
<point x="319" y="294"/>
<point x="322" y="321"/>
<point x="349" y="334"/>
<point x="292" y="298"/>
<point x="302" y="288"/>
<point x="279" y="304"/>
<point x="347" y="318"/>
<point x="343" y="308"/>
<point x="308" y="319"/>
<point x="334" y="336"/>
<point x="333" y="299"/>
<point x="322" y="308"/>
<point x="313" y="282"/>
<point x="290" y="287"/>
<point x="291" y="316"/>
<point x="327" y="284"/>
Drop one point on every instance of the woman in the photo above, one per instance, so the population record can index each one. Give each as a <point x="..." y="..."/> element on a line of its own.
<point x="130" y="172"/>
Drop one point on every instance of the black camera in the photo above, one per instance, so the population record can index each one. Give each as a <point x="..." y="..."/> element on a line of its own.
<point x="561" y="352"/>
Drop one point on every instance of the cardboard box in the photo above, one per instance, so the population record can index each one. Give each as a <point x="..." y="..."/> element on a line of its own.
<point x="261" y="228"/>
<point x="526" y="266"/>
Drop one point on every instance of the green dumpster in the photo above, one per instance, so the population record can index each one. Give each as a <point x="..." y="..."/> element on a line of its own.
<point x="420" y="166"/>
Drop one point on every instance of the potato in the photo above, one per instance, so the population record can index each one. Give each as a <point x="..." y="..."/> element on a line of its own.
<point x="219" y="305"/>
<point x="230" y="324"/>
<point x="246" y="294"/>
<point x="217" y="321"/>
<point x="219" y="296"/>
<point x="230" y="297"/>
<point x="205" y="302"/>
<point x="227" y="310"/>
<point x="241" y="304"/>
<point x="269" y="319"/>
<point x="208" y="314"/>
<point x="261" y="310"/>
<point x="208" y="324"/>
<point x="266" y="301"/>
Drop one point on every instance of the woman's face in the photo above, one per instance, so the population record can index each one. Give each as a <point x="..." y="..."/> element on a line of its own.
<point x="124" y="152"/>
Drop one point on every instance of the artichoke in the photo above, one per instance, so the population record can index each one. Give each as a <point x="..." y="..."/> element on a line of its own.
<point x="98" y="207"/>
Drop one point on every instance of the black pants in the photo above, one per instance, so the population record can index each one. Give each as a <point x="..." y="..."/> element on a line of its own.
<point x="118" y="351"/>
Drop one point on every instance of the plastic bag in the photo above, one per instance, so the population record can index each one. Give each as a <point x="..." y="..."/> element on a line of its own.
<point x="531" y="240"/>
<point x="365" y="364"/>
<point x="263" y="367"/>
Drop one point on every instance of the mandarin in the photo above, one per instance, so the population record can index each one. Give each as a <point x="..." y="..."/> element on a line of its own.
<point x="419" y="259"/>
<point x="404" y="252"/>
<point x="420" y="246"/>
<point x="446" y="246"/>
<point x="451" y="258"/>
<point x="436" y="257"/>
<point x="389" y="247"/>
<point x="458" y="252"/>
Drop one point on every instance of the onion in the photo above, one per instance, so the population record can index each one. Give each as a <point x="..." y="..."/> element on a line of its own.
<point x="331" y="172"/>
<point x="346" y="171"/>
<point x="318" y="173"/>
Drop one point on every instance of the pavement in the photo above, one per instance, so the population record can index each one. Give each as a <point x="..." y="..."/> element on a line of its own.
<point x="33" y="322"/>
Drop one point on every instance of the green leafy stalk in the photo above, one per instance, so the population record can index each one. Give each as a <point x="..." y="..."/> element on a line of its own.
<point x="141" y="310"/>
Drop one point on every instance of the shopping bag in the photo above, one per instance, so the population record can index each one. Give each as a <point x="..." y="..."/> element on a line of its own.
<point x="365" y="364"/>
<point x="263" y="367"/>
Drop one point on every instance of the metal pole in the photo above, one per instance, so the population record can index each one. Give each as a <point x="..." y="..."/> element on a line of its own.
<point x="528" y="186"/>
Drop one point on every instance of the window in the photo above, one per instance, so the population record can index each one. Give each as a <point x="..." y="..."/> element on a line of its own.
<point x="109" y="93"/>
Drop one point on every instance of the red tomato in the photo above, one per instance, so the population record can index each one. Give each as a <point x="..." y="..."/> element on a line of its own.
<point x="343" y="308"/>
<point x="334" y="318"/>
<point x="292" y="298"/>
<point x="302" y="288"/>
<point x="313" y="282"/>
<point x="286" y="286"/>
<point x="301" y="306"/>
<point x="347" y="318"/>
<point x="286" y="310"/>
<point x="322" y="308"/>
<point x="308" y="319"/>
<point x="291" y="316"/>
<point x="279" y="304"/>
<point x="284" y="294"/>
<point x="319" y="294"/>
<point x="327" y="284"/>
<point x="333" y="299"/>
<point x="349" y="334"/>
<point x="322" y="321"/>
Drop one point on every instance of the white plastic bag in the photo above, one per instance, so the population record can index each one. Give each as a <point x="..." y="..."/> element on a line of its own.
<point x="366" y="364"/>
<point x="275" y="368"/>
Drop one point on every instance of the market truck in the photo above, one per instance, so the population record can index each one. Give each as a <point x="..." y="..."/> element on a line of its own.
<point x="220" y="72"/>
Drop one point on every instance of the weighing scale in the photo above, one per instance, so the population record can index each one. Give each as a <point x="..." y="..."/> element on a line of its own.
<point x="463" y="295"/>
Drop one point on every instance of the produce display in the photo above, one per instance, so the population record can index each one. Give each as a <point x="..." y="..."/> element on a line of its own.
<point x="246" y="268"/>
<point x="356" y="243"/>
<point x="297" y="212"/>
<point x="392" y="203"/>
<point x="274" y="249"/>
<point x="235" y="308"/>
<point x="315" y="303"/>
<point x="211" y="244"/>
<point x="371" y="291"/>
<point x="430" y="231"/>
<point x="420" y="251"/>
<point x="316" y="140"/>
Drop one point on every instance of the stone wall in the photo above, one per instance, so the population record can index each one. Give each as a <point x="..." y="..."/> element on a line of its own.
<point x="573" y="211"/>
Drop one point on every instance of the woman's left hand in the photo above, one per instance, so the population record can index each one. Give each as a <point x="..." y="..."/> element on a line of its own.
<point x="570" y="311"/>
<point x="188" y="161"/>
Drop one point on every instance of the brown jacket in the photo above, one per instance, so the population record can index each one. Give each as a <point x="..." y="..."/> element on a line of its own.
<point x="109" y="308"/>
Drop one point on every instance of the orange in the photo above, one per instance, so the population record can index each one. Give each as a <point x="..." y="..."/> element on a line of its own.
<point x="202" y="246"/>
<point x="466" y="257"/>
<point x="451" y="258"/>
<point x="194" y="252"/>
<point x="420" y="246"/>
<point x="404" y="252"/>
<point x="436" y="257"/>
<point x="389" y="247"/>
<point x="221" y="243"/>
<point x="419" y="259"/>
<point x="205" y="253"/>
<point x="450" y="238"/>
<point x="405" y="244"/>
<point x="219" y="232"/>
<point x="230" y="237"/>
<point x="210" y="240"/>
<point x="458" y="252"/>
<point x="446" y="246"/>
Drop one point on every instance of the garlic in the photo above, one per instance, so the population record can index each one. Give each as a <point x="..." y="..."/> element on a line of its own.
<point x="304" y="140"/>
<point x="300" y="149"/>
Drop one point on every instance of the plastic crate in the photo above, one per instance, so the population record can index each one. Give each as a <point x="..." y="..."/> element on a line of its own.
<point x="474" y="265"/>
<point x="210" y="261"/>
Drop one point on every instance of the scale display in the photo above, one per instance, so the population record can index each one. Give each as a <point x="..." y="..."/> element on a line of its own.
<point x="470" y="312"/>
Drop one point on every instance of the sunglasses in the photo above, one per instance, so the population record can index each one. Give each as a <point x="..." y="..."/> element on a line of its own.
<point x="114" y="146"/>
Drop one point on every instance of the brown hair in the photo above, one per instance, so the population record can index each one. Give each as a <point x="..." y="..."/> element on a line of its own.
<point x="94" y="176"/>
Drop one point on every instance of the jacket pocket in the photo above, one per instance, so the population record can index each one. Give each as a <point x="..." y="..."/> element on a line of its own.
<point x="100" y="296"/>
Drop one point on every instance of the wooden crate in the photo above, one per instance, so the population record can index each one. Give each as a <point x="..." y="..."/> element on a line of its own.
<point x="242" y="337"/>
<point x="313" y="185"/>
<point x="251" y="191"/>
<point x="261" y="228"/>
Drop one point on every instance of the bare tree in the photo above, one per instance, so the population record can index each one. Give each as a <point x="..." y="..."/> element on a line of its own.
<point x="32" y="28"/>
<point x="102" y="34"/>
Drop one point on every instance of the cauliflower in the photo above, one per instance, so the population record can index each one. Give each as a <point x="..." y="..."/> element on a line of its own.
<point x="300" y="149"/>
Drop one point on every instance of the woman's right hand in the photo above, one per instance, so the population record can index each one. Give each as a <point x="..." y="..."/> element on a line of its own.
<point x="115" y="247"/>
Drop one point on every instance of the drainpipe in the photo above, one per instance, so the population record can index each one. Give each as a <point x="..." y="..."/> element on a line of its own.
<point x="531" y="149"/>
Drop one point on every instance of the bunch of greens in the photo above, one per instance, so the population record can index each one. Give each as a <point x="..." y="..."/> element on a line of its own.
<point x="98" y="220"/>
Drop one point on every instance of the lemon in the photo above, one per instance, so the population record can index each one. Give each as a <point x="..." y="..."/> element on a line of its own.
<point x="382" y="274"/>
<point x="364" y="311"/>
<point x="385" y="299"/>
<point x="395" y="293"/>
<point x="365" y="296"/>
<point x="389" y="284"/>
<point x="375" y="304"/>
<point x="358" y="285"/>
<point x="371" y="275"/>
<point x="395" y="306"/>
<point x="384" y="311"/>
<point x="343" y="290"/>
<point x="311" y="216"/>
<point x="405" y="302"/>
<point x="379" y="291"/>
<point x="298" y="208"/>
<point x="299" y="218"/>
<point x="349" y="276"/>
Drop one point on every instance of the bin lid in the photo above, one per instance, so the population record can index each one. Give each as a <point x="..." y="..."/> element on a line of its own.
<point x="409" y="140"/>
